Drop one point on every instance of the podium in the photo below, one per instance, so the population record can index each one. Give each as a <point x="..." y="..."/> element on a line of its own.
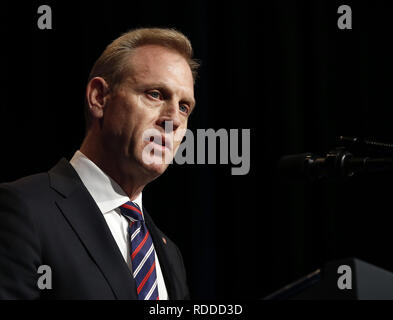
<point x="346" y="279"/>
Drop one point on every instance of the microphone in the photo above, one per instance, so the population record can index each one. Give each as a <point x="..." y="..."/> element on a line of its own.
<point x="338" y="163"/>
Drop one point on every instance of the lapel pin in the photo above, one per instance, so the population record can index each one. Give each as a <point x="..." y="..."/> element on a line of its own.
<point x="164" y="240"/>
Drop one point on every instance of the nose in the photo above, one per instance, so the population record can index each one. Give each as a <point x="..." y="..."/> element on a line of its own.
<point x="169" y="113"/>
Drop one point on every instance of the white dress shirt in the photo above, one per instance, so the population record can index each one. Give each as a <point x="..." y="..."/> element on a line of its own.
<point x="109" y="196"/>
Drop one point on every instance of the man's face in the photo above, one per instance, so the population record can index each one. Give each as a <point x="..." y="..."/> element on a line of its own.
<point x="157" y="91"/>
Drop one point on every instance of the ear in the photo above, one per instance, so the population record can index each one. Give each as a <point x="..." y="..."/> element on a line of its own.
<point x="97" y="94"/>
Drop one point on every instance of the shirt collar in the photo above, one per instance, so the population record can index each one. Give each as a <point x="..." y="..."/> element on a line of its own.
<point x="107" y="194"/>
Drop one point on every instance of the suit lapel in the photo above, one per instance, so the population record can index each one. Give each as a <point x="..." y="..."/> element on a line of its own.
<point x="162" y="254"/>
<point x="82" y="213"/>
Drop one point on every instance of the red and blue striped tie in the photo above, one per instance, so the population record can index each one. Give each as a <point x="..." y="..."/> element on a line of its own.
<point x="142" y="253"/>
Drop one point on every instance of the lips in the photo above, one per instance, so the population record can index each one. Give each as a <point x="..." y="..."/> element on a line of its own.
<point x="162" y="141"/>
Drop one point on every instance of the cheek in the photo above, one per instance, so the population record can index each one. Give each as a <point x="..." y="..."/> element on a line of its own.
<point x="133" y="115"/>
<point x="117" y="112"/>
<point x="179" y="134"/>
<point x="144" y="120"/>
<point x="147" y="111"/>
<point x="145" y="102"/>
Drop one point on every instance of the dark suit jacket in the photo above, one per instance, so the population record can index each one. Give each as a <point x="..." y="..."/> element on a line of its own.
<point x="51" y="219"/>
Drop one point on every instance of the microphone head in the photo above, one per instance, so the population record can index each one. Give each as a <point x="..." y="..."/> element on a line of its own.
<point x="294" y="167"/>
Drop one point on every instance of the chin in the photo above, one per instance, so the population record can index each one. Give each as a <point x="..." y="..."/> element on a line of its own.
<point x="154" y="169"/>
<point x="159" y="170"/>
<point x="153" y="159"/>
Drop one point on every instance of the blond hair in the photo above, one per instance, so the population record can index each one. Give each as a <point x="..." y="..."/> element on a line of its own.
<point x="112" y="64"/>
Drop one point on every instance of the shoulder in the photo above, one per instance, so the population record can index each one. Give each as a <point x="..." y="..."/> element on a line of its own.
<point x="32" y="195"/>
<point x="29" y="189"/>
<point x="27" y="184"/>
<point x="41" y="187"/>
<point x="20" y="198"/>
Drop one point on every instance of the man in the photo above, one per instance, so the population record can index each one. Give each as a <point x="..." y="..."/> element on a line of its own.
<point x="83" y="222"/>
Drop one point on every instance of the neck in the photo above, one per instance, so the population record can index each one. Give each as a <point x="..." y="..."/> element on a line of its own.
<point x="131" y="182"/>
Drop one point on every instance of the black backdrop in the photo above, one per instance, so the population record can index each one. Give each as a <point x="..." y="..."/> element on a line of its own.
<point x="280" y="68"/>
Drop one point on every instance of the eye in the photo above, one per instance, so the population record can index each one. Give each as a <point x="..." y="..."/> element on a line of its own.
<point x="154" y="94"/>
<point x="184" y="108"/>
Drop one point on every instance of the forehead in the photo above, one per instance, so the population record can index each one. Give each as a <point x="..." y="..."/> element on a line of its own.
<point x="154" y="63"/>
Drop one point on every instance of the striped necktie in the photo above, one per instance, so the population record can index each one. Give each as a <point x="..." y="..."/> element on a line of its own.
<point x="142" y="252"/>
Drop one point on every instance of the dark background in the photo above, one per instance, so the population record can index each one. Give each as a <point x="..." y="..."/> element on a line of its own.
<point x="280" y="68"/>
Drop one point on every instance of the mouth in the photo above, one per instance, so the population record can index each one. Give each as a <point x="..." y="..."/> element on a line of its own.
<point x="161" y="141"/>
